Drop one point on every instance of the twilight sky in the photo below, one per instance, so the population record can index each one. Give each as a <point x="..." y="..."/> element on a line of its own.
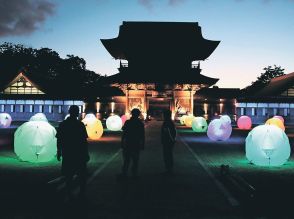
<point x="253" y="33"/>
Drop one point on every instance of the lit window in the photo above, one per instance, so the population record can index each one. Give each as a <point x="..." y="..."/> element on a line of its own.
<point x="253" y="111"/>
<point x="264" y="111"/>
<point x="243" y="111"/>
<point x="80" y="109"/>
<point x="21" y="108"/>
<point x="285" y="112"/>
<point x="31" y="109"/>
<point x="12" y="107"/>
<point x="50" y="109"/>
<point x="275" y="111"/>
<point x="2" y="108"/>
<point x="59" y="109"/>
<point x="41" y="108"/>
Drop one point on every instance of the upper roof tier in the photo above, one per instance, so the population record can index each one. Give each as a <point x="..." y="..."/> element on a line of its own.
<point x="160" y="41"/>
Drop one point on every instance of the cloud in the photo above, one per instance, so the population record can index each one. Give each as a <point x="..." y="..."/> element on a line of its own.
<point x="149" y="3"/>
<point x="22" y="17"/>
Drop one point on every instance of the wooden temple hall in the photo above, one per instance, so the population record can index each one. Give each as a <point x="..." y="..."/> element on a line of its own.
<point x="159" y="66"/>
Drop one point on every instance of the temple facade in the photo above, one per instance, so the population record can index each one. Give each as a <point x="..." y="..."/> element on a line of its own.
<point x="159" y="66"/>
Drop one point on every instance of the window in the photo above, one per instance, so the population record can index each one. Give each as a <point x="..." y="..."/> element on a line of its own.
<point x="59" y="109"/>
<point x="275" y="111"/>
<point x="12" y="108"/>
<point x="21" y="108"/>
<point x="2" y="108"/>
<point x="50" y="109"/>
<point x="243" y="111"/>
<point x="80" y="109"/>
<point x="253" y="111"/>
<point x="286" y="112"/>
<point x="31" y="109"/>
<point x="264" y="111"/>
<point x="41" y="108"/>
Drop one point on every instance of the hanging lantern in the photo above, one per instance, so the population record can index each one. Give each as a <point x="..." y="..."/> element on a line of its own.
<point x="182" y="119"/>
<point x="244" y="122"/>
<point x="39" y="117"/>
<point x="188" y="120"/>
<point x="277" y="122"/>
<point x="219" y="131"/>
<point x="5" y="120"/>
<point x="199" y="124"/>
<point x="35" y="141"/>
<point x="280" y="118"/>
<point x="267" y="145"/>
<point x="114" y="123"/>
<point x="93" y="126"/>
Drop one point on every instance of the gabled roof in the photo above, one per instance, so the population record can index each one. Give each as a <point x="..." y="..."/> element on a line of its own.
<point x="277" y="86"/>
<point x="216" y="92"/>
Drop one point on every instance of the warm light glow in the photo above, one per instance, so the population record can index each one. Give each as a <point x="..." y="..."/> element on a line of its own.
<point x="124" y="118"/>
<point x="221" y="105"/>
<point x="112" y="107"/>
<point x="280" y="118"/>
<point x="35" y="141"/>
<point x="93" y="126"/>
<point x="5" y="120"/>
<point x="277" y="122"/>
<point x="188" y="120"/>
<point x="199" y="124"/>
<point x="98" y="107"/>
<point x="267" y="145"/>
<point x="205" y="108"/>
<point x="182" y="119"/>
<point x="39" y="117"/>
<point x="114" y="123"/>
<point x="218" y="130"/>
<point x="244" y="122"/>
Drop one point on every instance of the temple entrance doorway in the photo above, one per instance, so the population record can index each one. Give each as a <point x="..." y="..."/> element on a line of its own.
<point x="157" y="106"/>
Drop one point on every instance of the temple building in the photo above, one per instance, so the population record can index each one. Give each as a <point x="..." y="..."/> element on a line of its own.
<point x="159" y="66"/>
<point x="22" y="98"/>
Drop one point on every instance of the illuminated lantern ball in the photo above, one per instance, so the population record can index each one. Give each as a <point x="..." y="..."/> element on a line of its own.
<point x="182" y="119"/>
<point x="277" y="122"/>
<point x="226" y="120"/>
<point x="199" y="124"/>
<point x="5" y="120"/>
<point x="188" y="120"/>
<point x="93" y="126"/>
<point x="35" y="141"/>
<point x="267" y="145"/>
<point x="124" y="118"/>
<point x="280" y="117"/>
<point x="114" y="123"/>
<point x="39" y="117"/>
<point x="217" y="131"/>
<point x="244" y="122"/>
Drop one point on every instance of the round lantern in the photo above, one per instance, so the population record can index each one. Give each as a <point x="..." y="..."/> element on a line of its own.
<point x="244" y="122"/>
<point x="267" y="145"/>
<point x="188" y="120"/>
<point x="93" y="126"/>
<point x="39" y="117"/>
<point x="217" y="131"/>
<point x="280" y="117"/>
<point x="114" y="123"/>
<point x="5" y="120"/>
<point x="35" y="141"/>
<point x="226" y="120"/>
<point x="199" y="124"/>
<point x="182" y="119"/>
<point x="277" y="122"/>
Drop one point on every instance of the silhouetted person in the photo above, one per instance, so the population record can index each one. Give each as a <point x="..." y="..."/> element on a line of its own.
<point x="168" y="139"/>
<point x="133" y="141"/>
<point x="72" y="146"/>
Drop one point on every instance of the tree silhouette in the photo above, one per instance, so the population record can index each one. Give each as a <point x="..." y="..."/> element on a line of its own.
<point x="264" y="78"/>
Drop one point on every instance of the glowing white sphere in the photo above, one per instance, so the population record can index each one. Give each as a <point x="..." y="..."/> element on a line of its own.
<point x="114" y="123"/>
<point x="182" y="119"/>
<point x="244" y="122"/>
<point x="93" y="126"/>
<point x="35" y="141"/>
<point x="39" y="117"/>
<point x="217" y="131"/>
<point x="267" y="145"/>
<point x="226" y="120"/>
<point x="280" y="117"/>
<point x="199" y="124"/>
<point x="5" y="120"/>
<point x="277" y="122"/>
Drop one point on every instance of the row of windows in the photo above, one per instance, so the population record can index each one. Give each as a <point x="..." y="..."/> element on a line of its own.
<point x="34" y="108"/>
<point x="264" y="112"/>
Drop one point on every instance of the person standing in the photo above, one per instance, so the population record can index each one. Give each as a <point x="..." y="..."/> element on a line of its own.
<point x="132" y="142"/>
<point x="72" y="146"/>
<point x="168" y="139"/>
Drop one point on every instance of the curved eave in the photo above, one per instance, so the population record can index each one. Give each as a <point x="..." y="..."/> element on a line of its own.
<point x="203" y="50"/>
<point x="113" y="47"/>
